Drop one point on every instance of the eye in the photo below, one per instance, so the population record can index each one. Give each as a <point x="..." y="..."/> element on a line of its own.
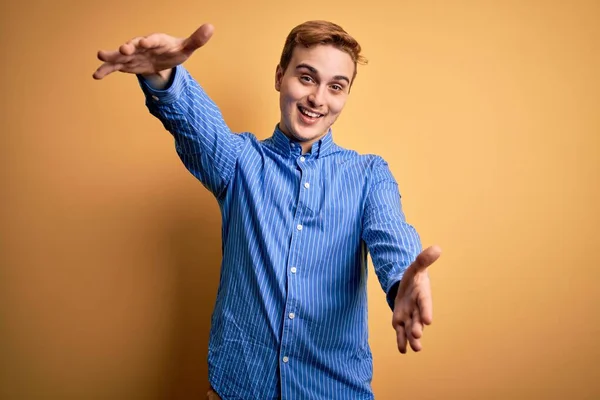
<point x="306" y="78"/>
<point x="337" y="87"/>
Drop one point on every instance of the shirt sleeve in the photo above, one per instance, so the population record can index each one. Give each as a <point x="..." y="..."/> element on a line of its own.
<point x="391" y="241"/>
<point x="204" y="142"/>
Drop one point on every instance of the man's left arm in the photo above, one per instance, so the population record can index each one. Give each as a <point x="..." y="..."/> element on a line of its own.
<point x="400" y="265"/>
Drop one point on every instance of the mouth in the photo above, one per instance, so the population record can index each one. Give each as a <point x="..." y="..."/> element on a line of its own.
<point x="308" y="113"/>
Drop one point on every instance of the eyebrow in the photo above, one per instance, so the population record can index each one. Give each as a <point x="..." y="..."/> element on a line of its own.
<point x="314" y="71"/>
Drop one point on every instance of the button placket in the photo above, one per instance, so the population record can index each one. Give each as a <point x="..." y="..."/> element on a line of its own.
<point x="291" y="304"/>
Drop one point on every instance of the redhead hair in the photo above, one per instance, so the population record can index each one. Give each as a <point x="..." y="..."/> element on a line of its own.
<point x="312" y="33"/>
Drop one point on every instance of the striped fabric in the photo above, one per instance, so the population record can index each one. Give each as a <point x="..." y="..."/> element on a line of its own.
<point x="290" y="319"/>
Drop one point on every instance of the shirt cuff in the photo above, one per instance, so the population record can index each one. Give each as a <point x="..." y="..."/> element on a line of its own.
<point x="391" y="294"/>
<point x="170" y="93"/>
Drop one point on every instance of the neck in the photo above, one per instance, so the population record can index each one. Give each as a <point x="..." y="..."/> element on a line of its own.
<point x="306" y="146"/>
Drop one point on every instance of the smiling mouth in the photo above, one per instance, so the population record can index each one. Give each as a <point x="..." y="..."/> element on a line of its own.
<point x="308" y="113"/>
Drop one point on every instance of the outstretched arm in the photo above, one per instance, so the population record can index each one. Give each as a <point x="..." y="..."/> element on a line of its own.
<point x="203" y="140"/>
<point x="395" y="246"/>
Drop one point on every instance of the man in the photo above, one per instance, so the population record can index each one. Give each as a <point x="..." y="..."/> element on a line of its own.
<point x="299" y="214"/>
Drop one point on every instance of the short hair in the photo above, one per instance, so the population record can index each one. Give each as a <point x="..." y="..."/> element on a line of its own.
<point x="312" y="33"/>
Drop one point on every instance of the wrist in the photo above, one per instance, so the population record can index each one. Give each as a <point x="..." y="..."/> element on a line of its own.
<point x="159" y="80"/>
<point x="392" y="295"/>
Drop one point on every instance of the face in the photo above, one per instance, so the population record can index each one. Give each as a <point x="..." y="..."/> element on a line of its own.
<point x="313" y="91"/>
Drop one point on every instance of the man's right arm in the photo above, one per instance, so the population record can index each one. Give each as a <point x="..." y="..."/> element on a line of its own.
<point x="203" y="141"/>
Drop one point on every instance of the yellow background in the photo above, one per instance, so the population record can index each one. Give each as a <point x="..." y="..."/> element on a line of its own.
<point x="487" y="112"/>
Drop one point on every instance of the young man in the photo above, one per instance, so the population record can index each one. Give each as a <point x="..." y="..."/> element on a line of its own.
<point x="299" y="214"/>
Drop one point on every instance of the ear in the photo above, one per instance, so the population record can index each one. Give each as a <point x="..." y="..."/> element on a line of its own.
<point x="278" y="77"/>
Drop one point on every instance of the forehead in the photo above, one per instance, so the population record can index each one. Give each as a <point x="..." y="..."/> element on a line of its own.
<point x="326" y="59"/>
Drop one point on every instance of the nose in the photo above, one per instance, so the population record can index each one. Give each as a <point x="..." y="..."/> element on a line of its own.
<point x="317" y="97"/>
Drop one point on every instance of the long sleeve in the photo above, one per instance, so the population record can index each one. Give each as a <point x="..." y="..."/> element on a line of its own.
<point x="391" y="241"/>
<point x="203" y="141"/>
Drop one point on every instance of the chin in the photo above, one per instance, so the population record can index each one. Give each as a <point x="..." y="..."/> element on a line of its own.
<point x="310" y="132"/>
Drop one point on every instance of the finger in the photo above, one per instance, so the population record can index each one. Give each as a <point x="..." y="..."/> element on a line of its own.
<point x="414" y="342"/>
<point x="106" y="69"/>
<point x="417" y="325"/>
<point x="401" y="338"/>
<point x="108" y="56"/>
<point x="130" y="46"/>
<point x="426" y="258"/>
<point x="114" y="57"/>
<point x="199" y="38"/>
<point x="425" y="305"/>
<point x="398" y="316"/>
<point x="150" y="42"/>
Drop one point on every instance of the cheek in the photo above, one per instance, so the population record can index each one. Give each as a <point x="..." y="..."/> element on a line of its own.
<point x="292" y="91"/>
<point x="336" y="106"/>
<point x="286" y="101"/>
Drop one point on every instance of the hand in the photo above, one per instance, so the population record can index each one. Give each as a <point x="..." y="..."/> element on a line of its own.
<point x="212" y="395"/>
<point x="149" y="55"/>
<point x="413" y="304"/>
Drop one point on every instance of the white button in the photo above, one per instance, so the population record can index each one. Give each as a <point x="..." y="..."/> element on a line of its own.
<point x="155" y="98"/>
<point x="292" y="315"/>
<point x="302" y="159"/>
<point x="293" y="269"/>
<point x="307" y="185"/>
<point x="299" y="227"/>
<point x="285" y="359"/>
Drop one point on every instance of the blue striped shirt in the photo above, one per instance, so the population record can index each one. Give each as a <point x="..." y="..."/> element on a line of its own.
<point x="290" y="318"/>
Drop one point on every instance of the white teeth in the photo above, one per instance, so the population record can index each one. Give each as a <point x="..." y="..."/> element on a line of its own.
<point x="309" y="113"/>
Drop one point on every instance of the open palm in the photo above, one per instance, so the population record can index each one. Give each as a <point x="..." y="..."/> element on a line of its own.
<point x="413" y="307"/>
<point x="147" y="55"/>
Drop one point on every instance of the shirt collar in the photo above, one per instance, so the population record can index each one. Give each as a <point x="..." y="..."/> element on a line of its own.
<point x="320" y="148"/>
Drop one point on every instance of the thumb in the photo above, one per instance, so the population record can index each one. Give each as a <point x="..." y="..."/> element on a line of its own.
<point x="426" y="258"/>
<point x="199" y="38"/>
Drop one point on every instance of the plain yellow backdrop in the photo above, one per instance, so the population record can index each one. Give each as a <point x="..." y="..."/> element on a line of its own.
<point x="487" y="112"/>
